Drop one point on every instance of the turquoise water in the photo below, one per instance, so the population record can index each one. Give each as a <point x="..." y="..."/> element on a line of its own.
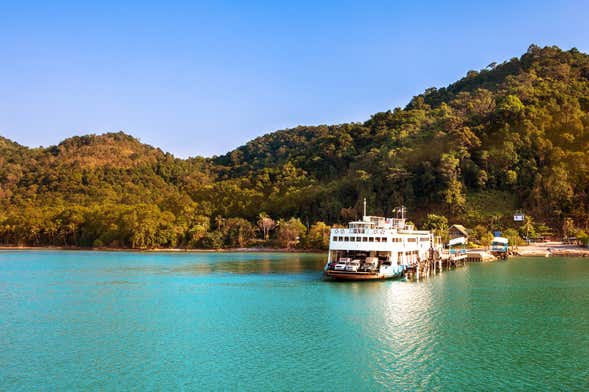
<point x="144" y="321"/>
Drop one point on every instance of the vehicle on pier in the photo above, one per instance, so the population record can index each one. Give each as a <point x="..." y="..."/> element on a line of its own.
<point x="378" y="248"/>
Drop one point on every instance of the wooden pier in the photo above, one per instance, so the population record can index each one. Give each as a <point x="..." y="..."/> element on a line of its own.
<point x="446" y="261"/>
<point x="479" y="256"/>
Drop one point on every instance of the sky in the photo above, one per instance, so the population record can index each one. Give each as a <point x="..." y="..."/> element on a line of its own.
<point x="202" y="78"/>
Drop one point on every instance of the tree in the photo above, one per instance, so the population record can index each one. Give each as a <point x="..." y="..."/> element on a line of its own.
<point x="543" y="230"/>
<point x="219" y="222"/>
<point x="510" y="105"/>
<point x="527" y="230"/>
<point x="266" y="224"/>
<point x="486" y="239"/>
<point x="478" y="234"/>
<point x="213" y="240"/>
<point x="199" y="227"/>
<point x="452" y="193"/>
<point x="290" y="232"/>
<point x="318" y="236"/>
<point x="513" y="236"/>
<point x="438" y="224"/>
<point x="582" y="237"/>
<point x="568" y="228"/>
<point x="239" y="232"/>
<point x="71" y="222"/>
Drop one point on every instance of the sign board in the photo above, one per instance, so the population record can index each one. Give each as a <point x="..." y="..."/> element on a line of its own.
<point x="518" y="217"/>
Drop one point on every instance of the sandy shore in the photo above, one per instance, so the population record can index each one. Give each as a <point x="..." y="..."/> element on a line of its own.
<point x="551" y="249"/>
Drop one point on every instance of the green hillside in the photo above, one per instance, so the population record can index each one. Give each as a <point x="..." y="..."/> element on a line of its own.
<point x="514" y="135"/>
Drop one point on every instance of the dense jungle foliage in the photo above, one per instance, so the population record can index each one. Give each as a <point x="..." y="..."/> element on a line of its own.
<point x="512" y="136"/>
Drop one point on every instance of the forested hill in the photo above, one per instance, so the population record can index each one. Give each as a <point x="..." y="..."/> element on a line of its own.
<point x="513" y="135"/>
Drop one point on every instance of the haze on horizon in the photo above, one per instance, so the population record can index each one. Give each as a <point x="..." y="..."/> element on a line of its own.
<point x="202" y="79"/>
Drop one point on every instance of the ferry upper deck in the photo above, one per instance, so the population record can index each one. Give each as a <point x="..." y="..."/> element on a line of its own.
<point x="375" y="233"/>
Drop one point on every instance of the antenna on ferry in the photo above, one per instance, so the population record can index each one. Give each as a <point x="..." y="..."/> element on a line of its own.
<point x="400" y="210"/>
<point x="364" y="207"/>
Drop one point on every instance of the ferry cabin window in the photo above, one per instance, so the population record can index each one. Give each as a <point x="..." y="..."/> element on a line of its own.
<point x="346" y="238"/>
<point x="364" y="239"/>
<point x="384" y="239"/>
<point x="371" y="239"/>
<point x="377" y="239"/>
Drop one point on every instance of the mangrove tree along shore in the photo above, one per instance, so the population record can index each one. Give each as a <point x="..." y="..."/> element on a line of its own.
<point x="514" y="135"/>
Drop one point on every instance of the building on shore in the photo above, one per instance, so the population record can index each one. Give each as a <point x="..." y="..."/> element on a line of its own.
<point x="457" y="231"/>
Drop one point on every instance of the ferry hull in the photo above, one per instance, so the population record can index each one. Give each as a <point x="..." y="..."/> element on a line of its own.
<point x="344" y="275"/>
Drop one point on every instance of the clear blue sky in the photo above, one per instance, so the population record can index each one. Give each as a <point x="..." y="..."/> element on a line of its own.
<point x="203" y="78"/>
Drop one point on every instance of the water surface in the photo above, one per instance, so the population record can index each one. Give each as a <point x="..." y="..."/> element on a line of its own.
<point x="194" y="321"/>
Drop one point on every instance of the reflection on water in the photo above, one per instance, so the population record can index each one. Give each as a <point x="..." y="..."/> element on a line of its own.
<point x="263" y="321"/>
<point x="256" y="263"/>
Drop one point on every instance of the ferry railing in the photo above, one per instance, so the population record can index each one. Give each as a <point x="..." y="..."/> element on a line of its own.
<point x="344" y="231"/>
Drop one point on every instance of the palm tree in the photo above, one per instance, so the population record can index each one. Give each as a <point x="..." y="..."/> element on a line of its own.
<point x="266" y="223"/>
<point x="568" y="228"/>
<point x="219" y="221"/>
<point x="528" y="227"/>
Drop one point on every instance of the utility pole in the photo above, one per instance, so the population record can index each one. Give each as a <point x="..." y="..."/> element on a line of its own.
<point x="364" y="208"/>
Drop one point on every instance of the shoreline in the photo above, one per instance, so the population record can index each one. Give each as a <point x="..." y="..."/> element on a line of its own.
<point x="549" y="249"/>
<point x="543" y="250"/>
<point x="571" y="253"/>
<point x="160" y="250"/>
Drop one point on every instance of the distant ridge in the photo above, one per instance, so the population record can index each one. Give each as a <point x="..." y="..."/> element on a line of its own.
<point x="513" y="135"/>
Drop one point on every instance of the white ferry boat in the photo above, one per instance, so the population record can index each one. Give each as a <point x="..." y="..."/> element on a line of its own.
<point x="378" y="248"/>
